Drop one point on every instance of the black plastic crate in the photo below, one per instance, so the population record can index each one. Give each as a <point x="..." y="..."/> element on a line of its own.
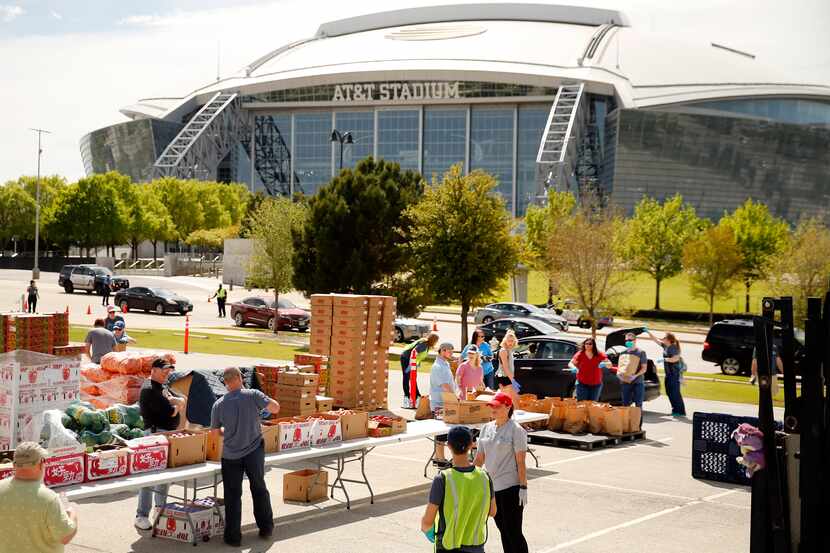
<point x="713" y="449"/>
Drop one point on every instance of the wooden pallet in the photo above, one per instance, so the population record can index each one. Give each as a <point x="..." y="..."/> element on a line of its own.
<point x="581" y="441"/>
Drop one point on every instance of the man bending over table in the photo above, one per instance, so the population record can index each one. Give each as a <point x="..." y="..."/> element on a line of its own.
<point x="243" y="453"/>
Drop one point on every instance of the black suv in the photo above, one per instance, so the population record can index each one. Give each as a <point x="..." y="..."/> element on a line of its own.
<point x="89" y="278"/>
<point x="730" y="344"/>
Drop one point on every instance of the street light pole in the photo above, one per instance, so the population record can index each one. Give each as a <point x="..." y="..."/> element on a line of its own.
<point x="36" y="269"/>
<point x="342" y="138"/>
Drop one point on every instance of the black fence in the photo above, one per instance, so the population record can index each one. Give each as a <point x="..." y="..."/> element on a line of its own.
<point x="45" y="264"/>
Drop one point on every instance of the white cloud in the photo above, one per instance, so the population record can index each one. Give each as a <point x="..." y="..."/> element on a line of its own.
<point x="10" y="13"/>
<point x="55" y="15"/>
<point x="145" y="20"/>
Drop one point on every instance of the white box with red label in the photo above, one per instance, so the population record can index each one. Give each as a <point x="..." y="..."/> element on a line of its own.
<point x="148" y="453"/>
<point x="217" y="507"/>
<point x="294" y="435"/>
<point x="185" y="522"/>
<point x="107" y="462"/>
<point x="64" y="468"/>
<point x="325" y="430"/>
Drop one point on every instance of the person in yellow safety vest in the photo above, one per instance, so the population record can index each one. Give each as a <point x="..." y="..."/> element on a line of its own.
<point x="221" y="295"/>
<point x="460" y="500"/>
<point x="422" y="347"/>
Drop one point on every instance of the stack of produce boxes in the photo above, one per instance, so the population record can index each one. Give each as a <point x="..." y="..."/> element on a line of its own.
<point x="35" y="332"/>
<point x="7" y="337"/>
<point x="269" y="378"/>
<point x="60" y="323"/>
<point x="31" y="383"/>
<point x="296" y="393"/>
<point x="355" y="332"/>
<point x="320" y="365"/>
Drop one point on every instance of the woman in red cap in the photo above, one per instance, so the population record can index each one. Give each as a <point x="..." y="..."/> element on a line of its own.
<point x="502" y="446"/>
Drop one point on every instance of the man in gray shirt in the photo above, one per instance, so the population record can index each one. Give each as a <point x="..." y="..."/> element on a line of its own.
<point x="99" y="341"/>
<point x="243" y="453"/>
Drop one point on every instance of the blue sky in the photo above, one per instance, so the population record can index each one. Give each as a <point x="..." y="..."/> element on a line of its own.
<point x="69" y="65"/>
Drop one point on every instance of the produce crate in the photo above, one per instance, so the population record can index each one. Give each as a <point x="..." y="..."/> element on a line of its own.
<point x="713" y="449"/>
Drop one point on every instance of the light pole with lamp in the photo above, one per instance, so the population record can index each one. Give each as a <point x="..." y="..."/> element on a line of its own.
<point x="342" y="138"/>
<point x="36" y="269"/>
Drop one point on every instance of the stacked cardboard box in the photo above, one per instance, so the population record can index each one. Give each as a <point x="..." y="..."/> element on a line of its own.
<point x="269" y="378"/>
<point x="34" y="332"/>
<point x="31" y="383"/>
<point x="355" y="333"/>
<point x="69" y="350"/>
<point x="296" y="393"/>
<point x="7" y="332"/>
<point x="60" y="322"/>
<point x="320" y="363"/>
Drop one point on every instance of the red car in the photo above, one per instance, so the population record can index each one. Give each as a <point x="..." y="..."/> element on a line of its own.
<point x="260" y="311"/>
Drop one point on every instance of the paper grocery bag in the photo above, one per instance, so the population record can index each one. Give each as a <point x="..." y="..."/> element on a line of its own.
<point x="628" y="364"/>
<point x="557" y="416"/>
<point x="612" y="421"/>
<point x="634" y="418"/>
<point x="576" y="418"/>
<point x="424" y="410"/>
<point x="596" y="413"/>
<point x="625" y="412"/>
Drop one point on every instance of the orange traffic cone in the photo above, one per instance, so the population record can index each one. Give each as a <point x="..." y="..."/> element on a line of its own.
<point x="435" y="324"/>
<point x="67" y="310"/>
<point x="89" y="310"/>
<point x="187" y="334"/>
<point x="25" y="305"/>
<point x="124" y="307"/>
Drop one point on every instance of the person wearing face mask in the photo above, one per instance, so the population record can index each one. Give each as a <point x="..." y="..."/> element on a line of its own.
<point x="633" y="385"/>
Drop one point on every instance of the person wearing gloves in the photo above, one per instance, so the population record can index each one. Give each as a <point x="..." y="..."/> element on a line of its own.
<point x="588" y="364"/>
<point x="633" y="385"/>
<point x="673" y="365"/>
<point x="502" y="447"/>
<point x="440" y="381"/>
<point x="460" y="500"/>
<point x="470" y="374"/>
<point x="506" y="375"/>
<point x="486" y="352"/>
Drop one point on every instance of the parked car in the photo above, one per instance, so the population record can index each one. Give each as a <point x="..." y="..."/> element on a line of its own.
<point x="729" y="344"/>
<point x="159" y="300"/>
<point x="542" y="361"/>
<point x="580" y="317"/>
<point x="495" y="311"/>
<point x="522" y="326"/>
<point x="410" y="329"/>
<point x="260" y="312"/>
<point x="90" y="278"/>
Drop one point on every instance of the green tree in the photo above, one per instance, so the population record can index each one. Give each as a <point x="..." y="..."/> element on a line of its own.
<point x="354" y="235"/>
<point x="17" y="214"/>
<point x="541" y="223"/>
<point x="158" y="225"/>
<point x="583" y="256"/>
<point x="453" y="261"/>
<point x="760" y="237"/>
<point x="50" y="186"/>
<point x="253" y="202"/>
<point x="803" y="269"/>
<point x="713" y="262"/>
<point x="182" y="201"/>
<point x="272" y="262"/>
<point x="211" y="239"/>
<point x="234" y="198"/>
<point x="210" y="197"/>
<point x="654" y="238"/>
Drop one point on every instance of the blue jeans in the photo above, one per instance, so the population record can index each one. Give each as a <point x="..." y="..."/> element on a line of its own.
<point x="633" y="392"/>
<point x="584" y="392"/>
<point x="146" y="497"/>
<point x="672" y="384"/>
<point x="490" y="380"/>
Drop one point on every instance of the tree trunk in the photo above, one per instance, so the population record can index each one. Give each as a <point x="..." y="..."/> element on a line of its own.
<point x="155" y="243"/>
<point x="711" y="309"/>
<point x="550" y="294"/>
<point x="657" y="294"/>
<point x="276" y="310"/>
<point x="747" y="283"/>
<point x="465" y="309"/>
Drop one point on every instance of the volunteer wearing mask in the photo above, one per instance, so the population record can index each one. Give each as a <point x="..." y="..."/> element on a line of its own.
<point x="588" y="364"/>
<point x="502" y="447"/>
<point x="633" y="386"/>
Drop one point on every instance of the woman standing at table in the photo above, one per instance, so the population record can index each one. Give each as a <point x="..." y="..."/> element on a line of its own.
<point x="502" y="447"/>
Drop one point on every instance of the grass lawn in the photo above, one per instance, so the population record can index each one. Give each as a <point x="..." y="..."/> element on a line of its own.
<point x="674" y="294"/>
<point x="716" y="391"/>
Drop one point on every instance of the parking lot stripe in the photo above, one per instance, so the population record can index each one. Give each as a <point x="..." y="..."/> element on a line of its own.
<point x="553" y="478"/>
<point x="606" y="452"/>
<point x="616" y="527"/>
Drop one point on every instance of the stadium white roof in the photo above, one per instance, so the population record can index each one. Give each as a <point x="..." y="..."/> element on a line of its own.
<point x="535" y="44"/>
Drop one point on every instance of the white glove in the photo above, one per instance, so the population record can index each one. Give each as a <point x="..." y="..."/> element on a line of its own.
<point x="522" y="497"/>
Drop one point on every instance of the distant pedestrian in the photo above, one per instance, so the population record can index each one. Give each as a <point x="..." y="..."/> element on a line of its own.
<point x="221" y="296"/>
<point x="502" y="448"/>
<point x="421" y="347"/>
<point x="506" y="375"/>
<point x="470" y="374"/>
<point x="99" y="341"/>
<point x="633" y="384"/>
<point x="32" y="296"/>
<point x="673" y="366"/>
<point x="243" y="453"/>
<point x="112" y="318"/>
<point x="460" y="500"/>
<point x="106" y="288"/>
<point x="486" y="352"/>
<point x="588" y="364"/>
<point x="33" y="519"/>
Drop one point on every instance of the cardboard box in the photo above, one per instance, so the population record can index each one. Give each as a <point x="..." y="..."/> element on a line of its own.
<point x="349" y="300"/>
<point x="214" y="444"/>
<point x="217" y="507"/>
<point x="148" y="453"/>
<point x="271" y="437"/>
<point x="305" y="486"/>
<point x="348" y="331"/>
<point x="186" y="448"/>
<point x="106" y="461"/>
<point x="300" y="379"/>
<point x="354" y="425"/>
<point x="317" y="361"/>
<point x="292" y="434"/>
<point x="325" y="429"/>
<point x="6" y="467"/>
<point x="301" y="406"/>
<point x="295" y="393"/>
<point x="319" y="343"/>
<point x="321" y="348"/>
<point x="464" y="412"/>
<point x="186" y="522"/>
<point x="64" y="469"/>
<point x="324" y="403"/>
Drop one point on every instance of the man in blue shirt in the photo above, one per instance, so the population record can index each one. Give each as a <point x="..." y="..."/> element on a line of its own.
<point x="243" y="453"/>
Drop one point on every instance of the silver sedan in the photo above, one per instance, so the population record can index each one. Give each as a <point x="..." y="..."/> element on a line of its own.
<point x="494" y="311"/>
<point x="410" y="329"/>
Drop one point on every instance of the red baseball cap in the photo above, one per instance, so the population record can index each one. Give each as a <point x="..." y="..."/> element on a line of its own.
<point x="501" y="399"/>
